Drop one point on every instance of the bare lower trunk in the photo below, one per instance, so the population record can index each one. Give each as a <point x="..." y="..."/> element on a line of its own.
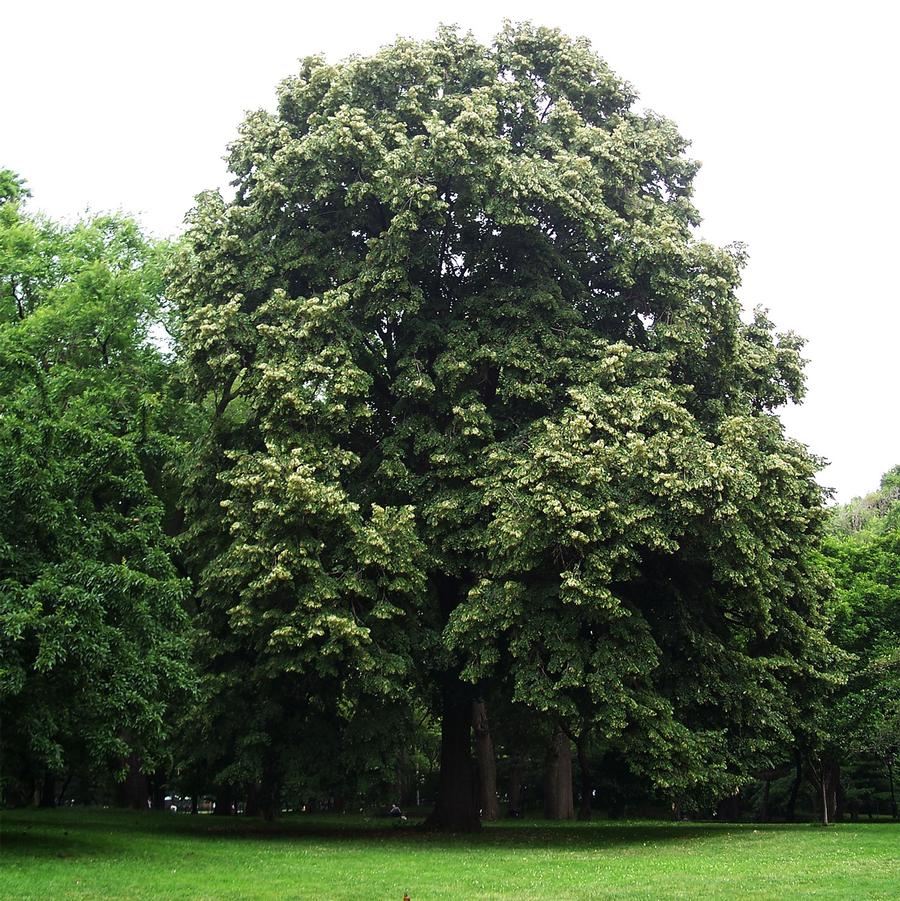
<point x="262" y="798"/>
<point x="157" y="786"/>
<point x="729" y="809"/>
<point x="558" y="800"/>
<point x="455" y="809"/>
<point x="48" y="791"/>
<point x="587" y="788"/>
<point x="825" y="778"/>
<point x="515" y="793"/>
<point x="61" y="797"/>
<point x="486" y="763"/>
<point x="890" y="769"/>
<point x="831" y="777"/>
<point x="224" y="801"/>
<point x="271" y="799"/>
<point x="764" y="807"/>
<point x="135" y="789"/>
<point x="791" y="810"/>
<point x="253" y="801"/>
<point x="398" y="793"/>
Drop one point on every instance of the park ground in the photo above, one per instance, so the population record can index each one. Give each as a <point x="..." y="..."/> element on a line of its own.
<point x="74" y="853"/>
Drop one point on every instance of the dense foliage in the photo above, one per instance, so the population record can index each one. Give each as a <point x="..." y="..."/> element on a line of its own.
<point x="439" y="450"/>
<point x="874" y="514"/>
<point x="482" y="411"/>
<point x="863" y="723"/>
<point x="92" y="624"/>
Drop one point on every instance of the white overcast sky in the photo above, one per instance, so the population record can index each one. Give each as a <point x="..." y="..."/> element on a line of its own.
<point x="791" y="107"/>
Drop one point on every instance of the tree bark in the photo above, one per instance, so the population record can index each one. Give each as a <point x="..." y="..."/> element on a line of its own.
<point x="516" y="774"/>
<point x="890" y="769"/>
<point x="224" y="801"/>
<point x="823" y="780"/>
<point x="135" y="789"/>
<point x="486" y="763"/>
<point x="838" y="792"/>
<point x="587" y="788"/>
<point x="253" y="801"/>
<point x="728" y="809"/>
<point x="61" y="795"/>
<point x="791" y="810"/>
<point x="831" y="778"/>
<point x="157" y="786"/>
<point x="764" y="807"/>
<point x="558" y="800"/>
<point x="271" y="797"/>
<point x="261" y="799"/>
<point x="455" y="809"/>
<point x="48" y="791"/>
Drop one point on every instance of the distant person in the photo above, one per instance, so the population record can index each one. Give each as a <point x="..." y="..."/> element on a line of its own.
<point x="395" y="810"/>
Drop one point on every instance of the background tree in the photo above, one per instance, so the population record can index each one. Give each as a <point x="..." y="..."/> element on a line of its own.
<point x="874" y="514"/>
<point x="863" y="555"/>
<point x="482" y="411"/>
<point x="92" y="643"/>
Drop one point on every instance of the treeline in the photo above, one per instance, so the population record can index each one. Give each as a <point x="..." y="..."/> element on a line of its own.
<point x="437" y="467"/>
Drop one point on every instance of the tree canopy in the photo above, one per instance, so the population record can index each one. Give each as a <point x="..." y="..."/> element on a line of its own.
<point x="482" y="411"/>
<point x="863" y="556"/>
<point x="93" y="631"/>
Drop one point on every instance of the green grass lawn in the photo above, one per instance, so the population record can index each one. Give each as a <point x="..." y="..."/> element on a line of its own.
<point x="59" y="854"/>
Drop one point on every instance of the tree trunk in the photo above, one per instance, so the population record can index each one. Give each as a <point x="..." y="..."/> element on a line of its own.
<point x="516" y="773"/>
<point x="831" y="778"/>
<point x="837" y="792"/>
<point x="825" y="778"/>
<point x="486" y="763"/>
<point x="135" y="789"/>
<point x="271" y="797"/>
<point x="398" y="779"/>
<point x="61" y="796"/>
<point x="791" y="810"/>
<point x="728" y="809"/>
<point x="587" y="788"/>
<point x="224" y="801"/>
<point x="253" y="801"/>
<point x="558" y="801"/>
<point x="158" y="790"/>
<point x="764" y="807"/>
<point x="890" y="769"/>
<point x="455" y="809"/>
<point x="48" y="791"/>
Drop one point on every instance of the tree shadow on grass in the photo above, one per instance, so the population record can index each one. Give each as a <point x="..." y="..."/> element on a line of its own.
<point x="62" y="843"/>
<point x="107" y="832"/>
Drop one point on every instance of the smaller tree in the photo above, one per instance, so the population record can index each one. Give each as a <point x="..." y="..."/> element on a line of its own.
<point x="92" y="623"/>
<point x="863" y="555"/>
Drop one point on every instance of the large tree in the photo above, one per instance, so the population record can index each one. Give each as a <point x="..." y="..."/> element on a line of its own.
<point x="482" y="409"/>
<point x="92" y="643"/>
